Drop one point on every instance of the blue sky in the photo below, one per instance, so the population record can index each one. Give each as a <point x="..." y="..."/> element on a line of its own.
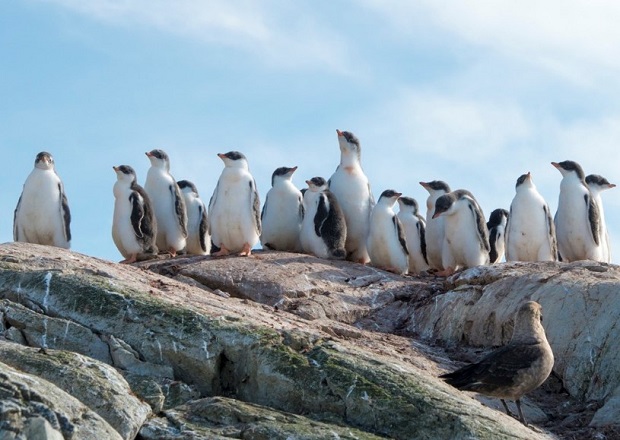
<point x="471" y="92"/>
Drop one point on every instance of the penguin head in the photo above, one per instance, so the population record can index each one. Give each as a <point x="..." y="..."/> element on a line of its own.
<point x="349" y="144"/>
<point x="187" y="187"/>
<point x="497" y="217"/>
<point x="282" y="173"/>
<point x="234" y="159"/>
<point x="44" y="161"/>
<point x="159" y="159"/>
<point x="436" y="186"/>
<point x="444" y="205"/>
<point x="524" y="181"/>
<point x="408" y="204"/>
<point x="389" y="197"/>
<point x="598" y="183"/>
<point x="125" y="173"/>
<point x="570" y="168"/>
<point x="317" y="184"/>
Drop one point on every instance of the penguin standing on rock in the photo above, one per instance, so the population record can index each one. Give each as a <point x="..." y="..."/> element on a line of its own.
<point x="42" y="214"/>
<point x="351" y="187"/>
<point x="323" y="229"/>
<point x="234" y="208"/>
<point x="497" y="234"/>
<point x="415" y="231"/>
<point x="530" y="233"/>
<point x="282" y="213"/>
<point x="386" y="239"/>
<point x="466" y="241"/>
<point x="168" y="203"/>
<point x="578" y="217"/>
<point x="134" y="227"/>
<point x="198" y="239"/>
<point x="435" y="227"/>
<point x="598" y="184"/>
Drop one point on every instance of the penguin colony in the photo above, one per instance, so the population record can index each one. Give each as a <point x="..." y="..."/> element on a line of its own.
<point x="334" y="219"/>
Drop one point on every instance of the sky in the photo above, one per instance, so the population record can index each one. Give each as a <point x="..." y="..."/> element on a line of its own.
<point x="474" y="93"/>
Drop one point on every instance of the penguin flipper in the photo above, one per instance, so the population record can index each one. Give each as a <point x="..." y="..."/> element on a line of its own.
<point x="493" y="255"/>
<point x="333" y="228"/>
<point x="212" y="202"/>
<point x="553" y="242"/>
<point x="15" y="228"/>
<point x="483" y="235"/>
<point x="255" y="201"/>
<point x="179" y="207"/>
<point x="203" y="227"/>
<point x="594" y="218"/>
<point x="262" y="213"/>
<point x="137" y="215"/>
<point x="422" y="237"/>
<point x="400" y="233"/>
<point x="301" y="212"/>
<point x="321" y="215"/>
<point x="66" y="213"/>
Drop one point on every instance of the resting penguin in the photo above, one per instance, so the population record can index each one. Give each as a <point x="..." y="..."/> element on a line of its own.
<point x="134" y="227"/>
<point x="466" y="241"/>
<point x="234" y="208"/>
<point x="598" y="184"/>
<point x="577" y="219"/>
<point x="198" y="238"/>
<point x="386" y="238"/>
<point x="351" y="187"/>
<point x="530" y="233"/>
<point x="168" y="204"/>
<point x="497" y="232"/>
<point x="323" y="229"/>
<point x="282" y="213"/>
<point x="414" y="226"/>
<point x="434" y="226"/>
<point x="42" y="214"/>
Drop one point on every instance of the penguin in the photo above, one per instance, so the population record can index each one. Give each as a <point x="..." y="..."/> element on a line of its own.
<point x="415" y="232"/>
<point x="386" y="243"/>
<point x="352" y="189"/>
<point x="282" y="213"/>
<point x="434" y="226"/>
<point x="198" y="239"/>
<point x="168" y="204"/>
<point x="497" y="233"/>
<point x="466" y="240"/>
<point x="577" y="219"/>
<point x="530" y="232"/>
<point x="598" y="184"/>
<point x="42" y="215"/>
<point x="324" y="228"/>
<point x="134" y="227"/>
<point x="234" y="208"/>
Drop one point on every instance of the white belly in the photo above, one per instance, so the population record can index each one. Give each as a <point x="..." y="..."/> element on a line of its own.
<point x="462" y="246"/>
<point x="383" y="245"/>
<point x="281" y="220"/>
<point x="123" y="233"/>
<point x="169" y="232"/>
<point x="527" y="236"/>
<point x="417" y="263"/>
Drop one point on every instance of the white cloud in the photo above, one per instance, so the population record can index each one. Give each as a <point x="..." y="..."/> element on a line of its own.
<point x="286" y="35"/>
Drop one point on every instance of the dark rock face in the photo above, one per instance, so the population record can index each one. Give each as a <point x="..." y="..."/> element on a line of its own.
<point x="270" y="346"/>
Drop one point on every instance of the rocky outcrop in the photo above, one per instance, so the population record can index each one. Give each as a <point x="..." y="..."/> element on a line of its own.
<point x="290" y="346"/>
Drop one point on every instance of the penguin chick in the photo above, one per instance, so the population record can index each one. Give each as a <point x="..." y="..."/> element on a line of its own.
<point x="134" y="226"/>
<point x="577" y="219"/>
<point x="234" y="208"/>
<point x="198" y="239"/>
<point x="282" y="213"/>
<point x="168" y="203"/>
<point x="386" y="238"/>
<point x="530" y="232"/>
<point x="42" y="215"/>
<point x="415" y="232"/>
<point x="351" y="187"/>
<point x="598" y="184"/>
<point x="514" y="370"/>
<point x="435" y="227"/>
<point x="323" y="229"/>
<point x="497" y="233"/>
<point x="466" y="241"/>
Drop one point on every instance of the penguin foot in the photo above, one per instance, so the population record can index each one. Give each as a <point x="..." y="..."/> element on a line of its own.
<point x="172" y="251"/>
<point x="222" y="252"/>
<point x="446" y="272"/>
<point x="132" y="259"/>
<point x="246" y="251"/>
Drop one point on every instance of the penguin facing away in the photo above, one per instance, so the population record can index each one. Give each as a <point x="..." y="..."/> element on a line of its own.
<point x="497" y="233"/>
<point x="598" y="184"/>
<point x="352" y="189"/>
<point x="386" y="238"/>
<point x="466" y="241"/>
<point x="415" y="234"/>
<point x="134" y="226"/>
<point x="234" y="208"/>
<point x="198" y="239"/>
<point x="577" y="219"/>
<point x="323" y="229"/>
<point x="435" y="227"/>
<point x="530" y="232"/>
<point x="42" y="215"/>
<point x="282" y="213"/>
<point x="168" y="203"/>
